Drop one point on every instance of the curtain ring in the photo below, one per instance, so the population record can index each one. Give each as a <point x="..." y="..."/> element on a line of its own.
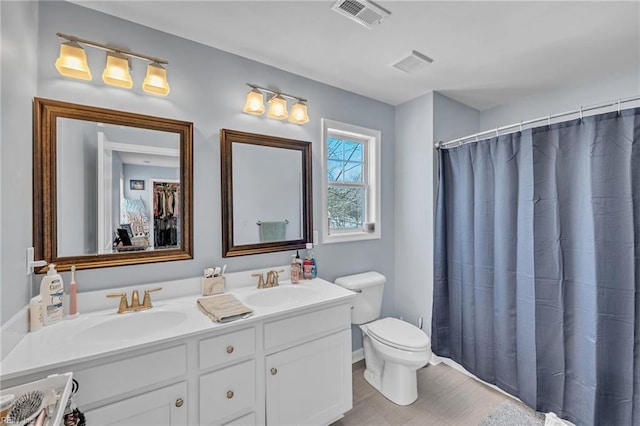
<point x="549" y="120"/>
<point x="581" y="114"/>
<point x="497" y="134"/>
<point x="520" y="126"/>
<point x="618" y="106"/>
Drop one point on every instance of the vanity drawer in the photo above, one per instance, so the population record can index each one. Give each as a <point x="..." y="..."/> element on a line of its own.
<point x="226" y="392"/>
<point x="119" y="377"/>
<point x="305" y="327"/>
<point x="228" y="347"/>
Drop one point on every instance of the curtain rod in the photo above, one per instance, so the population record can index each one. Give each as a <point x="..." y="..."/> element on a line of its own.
<point x="474" y="137"/>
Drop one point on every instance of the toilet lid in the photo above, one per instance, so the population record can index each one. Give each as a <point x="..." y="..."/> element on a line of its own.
<point x="399" y="334"/>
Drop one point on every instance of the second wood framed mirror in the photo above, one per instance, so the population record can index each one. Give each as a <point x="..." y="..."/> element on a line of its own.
<point x="266" y="193"/>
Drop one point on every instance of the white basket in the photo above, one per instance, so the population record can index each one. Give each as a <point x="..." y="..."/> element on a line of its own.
<point x="60" y="384"/>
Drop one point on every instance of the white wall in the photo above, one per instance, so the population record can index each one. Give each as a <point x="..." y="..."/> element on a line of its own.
<point x="208" y="89"/>
<point x="19" y="83"/>
<point x="413" y="189"/>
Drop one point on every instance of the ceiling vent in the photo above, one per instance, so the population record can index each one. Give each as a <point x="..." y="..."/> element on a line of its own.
<point x="364" y="12"/>
<point x="413" y="62"/>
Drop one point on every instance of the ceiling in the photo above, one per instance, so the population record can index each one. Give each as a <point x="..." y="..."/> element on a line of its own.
<point x="485" y="53"/>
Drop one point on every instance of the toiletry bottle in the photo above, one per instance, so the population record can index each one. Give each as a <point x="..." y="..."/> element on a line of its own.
<point x="314" y="268"/>
<point x="36" y="313"/>
<point x="52" y="293"/>
<point x="307" y="265"/>
<point x="73" y="295"/>
<point x="295" y="270"/>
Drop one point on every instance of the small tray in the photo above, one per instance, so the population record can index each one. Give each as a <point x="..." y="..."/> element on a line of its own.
<point x="56" y="384"/>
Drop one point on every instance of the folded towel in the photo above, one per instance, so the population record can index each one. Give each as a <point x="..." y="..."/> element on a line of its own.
<point x="223" y="308"/>
<point x="272" y="231"/>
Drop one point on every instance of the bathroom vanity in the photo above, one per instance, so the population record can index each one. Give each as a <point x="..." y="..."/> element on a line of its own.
<point x="290" y="363"/>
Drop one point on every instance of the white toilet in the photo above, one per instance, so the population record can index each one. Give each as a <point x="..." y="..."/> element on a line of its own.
<point x="393" y="349"/>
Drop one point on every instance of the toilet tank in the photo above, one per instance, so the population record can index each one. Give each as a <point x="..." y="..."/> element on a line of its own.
<point x="367" y="303"/>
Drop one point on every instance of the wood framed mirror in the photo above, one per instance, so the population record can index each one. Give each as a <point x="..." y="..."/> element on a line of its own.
<point x="110" y="188"/>
<point x="266" y="193"/>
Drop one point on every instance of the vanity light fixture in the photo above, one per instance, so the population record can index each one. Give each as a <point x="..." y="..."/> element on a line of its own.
<point x="277" y="107"/>
<point x="116" y="73"/>
<point x="73" y="63"/>
<point x="299" y="113"/>
<point x="156" y="80"/>
<point x="254" y="104"/>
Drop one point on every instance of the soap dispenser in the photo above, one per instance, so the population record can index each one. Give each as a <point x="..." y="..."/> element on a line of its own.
<point x="52" y="293"/>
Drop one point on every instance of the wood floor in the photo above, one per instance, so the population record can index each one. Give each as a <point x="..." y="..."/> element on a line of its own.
<point x="445" y="397"/>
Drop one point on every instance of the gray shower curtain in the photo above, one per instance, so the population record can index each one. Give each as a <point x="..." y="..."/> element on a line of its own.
<point x="537" y="265"/>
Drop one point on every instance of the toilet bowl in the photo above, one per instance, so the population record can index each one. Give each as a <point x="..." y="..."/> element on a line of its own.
<point x="393" y="349"/>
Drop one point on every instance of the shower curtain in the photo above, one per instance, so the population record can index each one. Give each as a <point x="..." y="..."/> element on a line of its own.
<point x="537" y="265"/>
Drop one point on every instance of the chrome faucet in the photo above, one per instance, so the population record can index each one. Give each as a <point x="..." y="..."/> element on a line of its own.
<point x="135" y="306"/>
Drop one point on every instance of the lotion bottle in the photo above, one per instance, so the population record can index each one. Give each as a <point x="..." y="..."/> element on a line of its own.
<point x="52" y="293"/>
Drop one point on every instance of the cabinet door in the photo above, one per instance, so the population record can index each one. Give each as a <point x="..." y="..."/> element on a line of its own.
<point x="166" y="406"/>
<point x="310" y="383"/>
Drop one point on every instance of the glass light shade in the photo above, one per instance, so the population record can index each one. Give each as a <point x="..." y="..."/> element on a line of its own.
<point x="156" y="80"/>
<point x="277" y="108"/>
<point x="299" y="113"/>
<point x="254" y="103"/>
<point x="116" y="73"/>
<point x="72" y="61"/>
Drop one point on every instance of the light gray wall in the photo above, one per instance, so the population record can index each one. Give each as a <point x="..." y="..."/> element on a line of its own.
<point x="18" y="80"/>
<point x="413" y="183"/>
<point x="116" y="172"/>
<point x="207" y="88"/>
<point x="616" y="84"/>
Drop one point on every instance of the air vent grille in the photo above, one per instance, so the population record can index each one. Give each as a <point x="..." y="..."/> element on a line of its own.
<point x="413" y="62"/>
<point x="364" y="12"/>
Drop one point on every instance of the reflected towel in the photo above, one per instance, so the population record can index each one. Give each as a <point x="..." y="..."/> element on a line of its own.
<point x="223" y="308"/>
<point x="272" y="231"/>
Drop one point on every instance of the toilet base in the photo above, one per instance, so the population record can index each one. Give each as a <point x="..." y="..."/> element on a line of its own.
<point x="398" y="383"/>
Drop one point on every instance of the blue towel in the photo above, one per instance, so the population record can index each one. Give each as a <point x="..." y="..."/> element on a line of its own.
<point x="272" y="231"/>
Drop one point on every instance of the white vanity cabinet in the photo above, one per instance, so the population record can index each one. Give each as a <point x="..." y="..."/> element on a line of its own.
<point x="285" y="366"/>
<point x="161" y="407"/>
<point x="308" y="375"/>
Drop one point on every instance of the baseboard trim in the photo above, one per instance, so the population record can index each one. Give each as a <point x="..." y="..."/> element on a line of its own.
<point x="357" y="355"/>
<point x="13" y="331"/>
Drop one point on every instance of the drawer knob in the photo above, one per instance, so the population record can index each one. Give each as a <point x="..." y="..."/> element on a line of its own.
<point x="274" y="371"/>
<point x="229" y="349"/>
<point x="229" y="394"/>
<point x="179" y="402"/>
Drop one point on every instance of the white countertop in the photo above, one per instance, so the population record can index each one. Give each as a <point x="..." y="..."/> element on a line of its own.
<point x="61" y="344"/>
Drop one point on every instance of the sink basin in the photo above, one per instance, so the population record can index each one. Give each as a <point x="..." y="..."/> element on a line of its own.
<point x="278" y="296"/>
<point x="131" y="326"/>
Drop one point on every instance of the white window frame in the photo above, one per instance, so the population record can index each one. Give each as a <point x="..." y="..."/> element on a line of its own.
<point x="371" y="155"/>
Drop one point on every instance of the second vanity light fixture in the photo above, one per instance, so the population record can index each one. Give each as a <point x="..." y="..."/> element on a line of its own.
<point x="254" y="104"/>
<point x="72" y="62"/>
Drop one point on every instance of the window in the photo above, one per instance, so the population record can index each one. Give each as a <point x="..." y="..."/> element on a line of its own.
<point x="351" y="182"/>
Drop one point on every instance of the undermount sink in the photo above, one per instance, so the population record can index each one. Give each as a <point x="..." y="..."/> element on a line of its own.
<point x="278" y="296"/>
<point x="132" y="325"/>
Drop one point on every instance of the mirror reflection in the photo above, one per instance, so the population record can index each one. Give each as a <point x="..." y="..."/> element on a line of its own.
<point x="266" y="193"/>
<point x="118" y="188"/>
<point x="110" y="187"/>
<point x="269" y="208"/>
